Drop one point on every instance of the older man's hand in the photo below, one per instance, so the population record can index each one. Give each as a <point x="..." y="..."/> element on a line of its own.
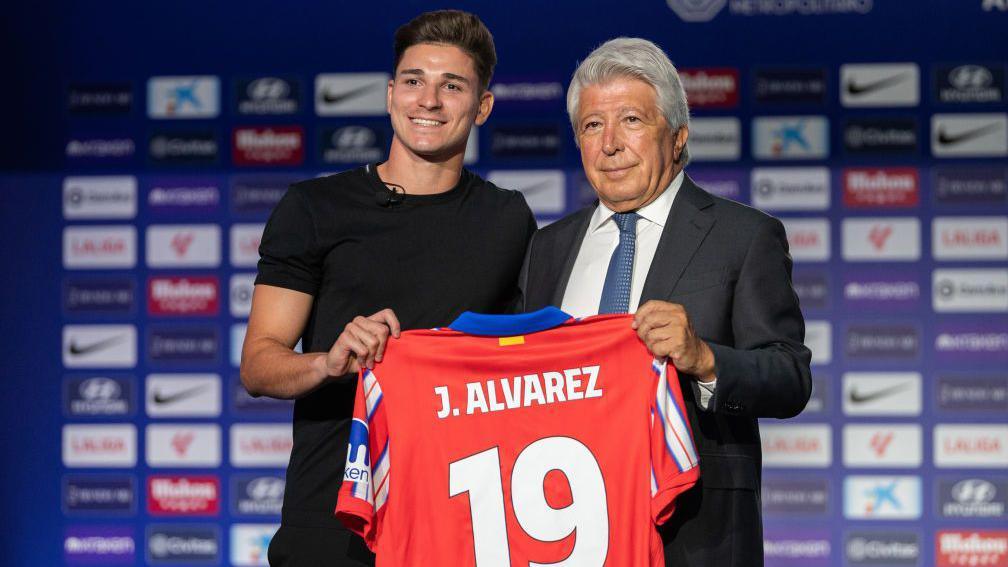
<point x="666" y="330"/>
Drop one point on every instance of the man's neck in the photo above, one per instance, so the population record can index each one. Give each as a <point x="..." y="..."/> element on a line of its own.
<point x="420" y="176"/>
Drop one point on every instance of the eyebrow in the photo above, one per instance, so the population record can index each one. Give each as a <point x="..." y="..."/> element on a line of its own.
<point x="450" y="76"/>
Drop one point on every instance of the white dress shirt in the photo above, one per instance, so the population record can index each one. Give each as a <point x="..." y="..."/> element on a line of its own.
<point x="584" y="288"/>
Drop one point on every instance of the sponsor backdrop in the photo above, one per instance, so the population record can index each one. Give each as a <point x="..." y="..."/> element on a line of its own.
<point x="145" y="146"/>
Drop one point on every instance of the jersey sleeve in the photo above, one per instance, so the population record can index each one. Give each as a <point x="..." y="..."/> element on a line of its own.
<point x="674" y="463"/>
<point x="362" y="496"/>
<point x="289" y="255"/>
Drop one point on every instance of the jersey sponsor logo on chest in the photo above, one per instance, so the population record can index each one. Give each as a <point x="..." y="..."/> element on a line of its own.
<point x="500" y="394"/>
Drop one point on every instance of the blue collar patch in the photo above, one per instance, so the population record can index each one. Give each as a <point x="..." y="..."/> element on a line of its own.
<point x="509" y="325"/>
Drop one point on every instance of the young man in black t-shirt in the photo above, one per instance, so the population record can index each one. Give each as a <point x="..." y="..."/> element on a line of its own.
<point x="351" y="259"/>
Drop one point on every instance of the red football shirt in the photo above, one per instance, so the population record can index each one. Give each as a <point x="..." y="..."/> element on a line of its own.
<point x="565" y="446"/>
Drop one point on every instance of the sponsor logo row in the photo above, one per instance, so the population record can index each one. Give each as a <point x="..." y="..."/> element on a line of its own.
<point x="888" y="239"/>
<point x="885" y="446"/>
<point x="805" y="547"/>
<point x="967" y="496"/>
<point x="771" y="188"/>
<point x="165" y="395"/>
<point x="863" y="239"/>
<point x="171" y="495"/>
<point x="187" y="295"/>
<point x="978" y="342"/>
<point x="859" y="85"/>
<point x="975" y="290"/>
<point x="114" y="445"/>
<point x="798" y="137"/>
<point x="166" y="544"/>
<point x="115" y="346"/>
<point x="895" y="394"/>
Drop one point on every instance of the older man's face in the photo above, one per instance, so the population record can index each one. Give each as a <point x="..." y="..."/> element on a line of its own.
<point x="627" y="149"/>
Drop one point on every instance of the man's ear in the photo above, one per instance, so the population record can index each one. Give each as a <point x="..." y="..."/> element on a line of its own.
<point x="388" y="96"/>
<point x="486" y="103"/>
<point x="680" y="142"/>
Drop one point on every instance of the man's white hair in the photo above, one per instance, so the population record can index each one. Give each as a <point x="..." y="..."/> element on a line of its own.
<point x="631" y="57"/>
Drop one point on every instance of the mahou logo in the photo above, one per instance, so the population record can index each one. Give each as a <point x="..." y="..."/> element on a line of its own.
<point x="183" y="495"/>
<point x="711" y="87"/>
<point x="192" y="295"/>
<point x="955" y="548"/>
<point x="273" y="145"/>
<point x="892" y="187"/>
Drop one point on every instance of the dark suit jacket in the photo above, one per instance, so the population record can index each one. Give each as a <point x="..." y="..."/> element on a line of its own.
<point x="728" y="265"/>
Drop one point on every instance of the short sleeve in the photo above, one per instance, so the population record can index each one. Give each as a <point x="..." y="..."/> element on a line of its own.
<point x="289" y="254"/>
<point x="365" y="488"/>
<point x="675" y="467"/>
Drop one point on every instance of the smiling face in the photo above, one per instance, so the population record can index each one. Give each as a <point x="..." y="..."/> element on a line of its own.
<point x="434" y="100"/>
<point x="628" y="152"/>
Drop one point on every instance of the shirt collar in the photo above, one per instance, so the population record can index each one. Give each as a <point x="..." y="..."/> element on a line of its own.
<point x="505" y="325"/>
<point x="656" y="211"/>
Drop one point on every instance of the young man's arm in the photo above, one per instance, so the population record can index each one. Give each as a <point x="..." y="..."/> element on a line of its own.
<point x="269" y="365"/>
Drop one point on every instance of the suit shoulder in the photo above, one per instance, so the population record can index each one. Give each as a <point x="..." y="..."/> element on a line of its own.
<point x="565" y="223"/>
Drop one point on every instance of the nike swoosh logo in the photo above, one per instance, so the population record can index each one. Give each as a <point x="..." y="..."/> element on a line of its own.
<point x="77" y="349"/>
<point x="855" y="88"/>
<point x="161" y="398"/>
<point x="861" y="397"/>
<point x="336" y="98"/>
<point x="946" y="139"/>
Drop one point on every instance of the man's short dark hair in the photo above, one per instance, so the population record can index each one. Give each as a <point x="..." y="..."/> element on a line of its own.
<point x="451" y="27"/>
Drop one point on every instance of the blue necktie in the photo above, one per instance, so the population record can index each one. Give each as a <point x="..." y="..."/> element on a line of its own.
<point x="616" y="291"/>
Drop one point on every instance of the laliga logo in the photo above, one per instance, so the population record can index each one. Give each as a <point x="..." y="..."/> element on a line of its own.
<point x="358" y="468"/>
<point x="696" y="10"/>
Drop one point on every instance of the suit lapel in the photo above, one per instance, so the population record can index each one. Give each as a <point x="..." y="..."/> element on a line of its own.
<point x="568" y="245"/>
<point x="684" y="231"/>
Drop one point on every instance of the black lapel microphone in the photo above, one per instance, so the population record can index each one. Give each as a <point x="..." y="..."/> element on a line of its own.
<point x="390" y="195"/>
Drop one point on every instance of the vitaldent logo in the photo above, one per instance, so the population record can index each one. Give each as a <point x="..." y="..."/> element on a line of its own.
<point x="980" y="185"/>
<point x="97" y="197"/>
<point x="881" y="341"/>
<point x="188" y="344"/>
<point x="790" y="86"/>
<point x="970" y="291"/>
<point x="99" y="295"/>
<point x="789" y="496"/>
<point x="790" y="188"/>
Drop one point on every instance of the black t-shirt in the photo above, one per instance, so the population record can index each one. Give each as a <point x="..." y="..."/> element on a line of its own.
<point x="428" y="258"/>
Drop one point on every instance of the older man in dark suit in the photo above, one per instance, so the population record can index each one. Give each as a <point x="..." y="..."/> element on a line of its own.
<point x="709" y="281"/>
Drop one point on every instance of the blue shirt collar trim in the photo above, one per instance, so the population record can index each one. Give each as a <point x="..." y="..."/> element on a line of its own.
<point x="509" y="325"/>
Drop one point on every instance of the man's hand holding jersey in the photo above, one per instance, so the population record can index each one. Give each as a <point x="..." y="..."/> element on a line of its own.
<point x="667" y="331"/>
<point x="361" y="344"/>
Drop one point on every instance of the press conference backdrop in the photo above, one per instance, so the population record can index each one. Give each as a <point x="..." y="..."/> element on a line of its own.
<point x="147" y="144"/>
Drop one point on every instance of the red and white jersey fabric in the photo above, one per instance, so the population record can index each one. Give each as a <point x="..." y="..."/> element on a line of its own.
<point x="565" y="446"/>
